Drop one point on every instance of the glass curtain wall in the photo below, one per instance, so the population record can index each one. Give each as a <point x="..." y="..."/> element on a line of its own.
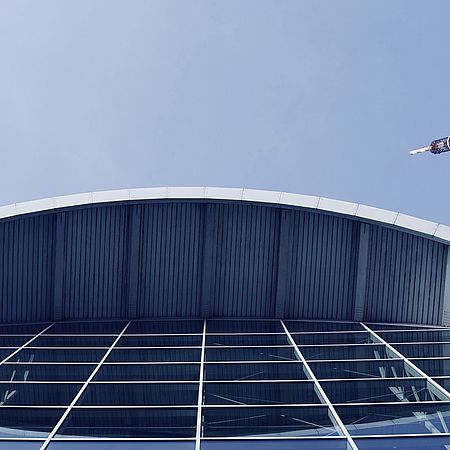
<point x="219" y="384"/>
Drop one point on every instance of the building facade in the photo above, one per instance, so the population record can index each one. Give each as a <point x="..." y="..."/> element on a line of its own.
<point x="212" y="318"/>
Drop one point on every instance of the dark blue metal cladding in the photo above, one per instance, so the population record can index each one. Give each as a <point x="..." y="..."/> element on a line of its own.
<point x="244" y="261"/>
<point x="196" y="258"/>
<point x="170" y="260"/>
<point x="95" y="257"/>
<point x="406" y="276"/>
<point x="26" y="269"/>
<point x="322" y="266"/>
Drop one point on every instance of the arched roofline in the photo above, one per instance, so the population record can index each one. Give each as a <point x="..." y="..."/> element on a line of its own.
<point x="404" y="222"/>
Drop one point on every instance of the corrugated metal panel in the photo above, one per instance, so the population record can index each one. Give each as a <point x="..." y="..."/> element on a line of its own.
<point x="170" y="260"/>
<point x="26" y="269"/>
<point x="406" y="275"/>
<point x="245" y="261"/>
<point x="95" y="263"/>
<point x="322" y="281"/>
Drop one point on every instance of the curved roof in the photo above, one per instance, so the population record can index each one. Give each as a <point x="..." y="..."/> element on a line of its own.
<point x="396" y="219"/>
<point x="217" y="252"/>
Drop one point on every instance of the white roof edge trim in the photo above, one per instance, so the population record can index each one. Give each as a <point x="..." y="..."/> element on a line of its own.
<point x="396" y="219"/>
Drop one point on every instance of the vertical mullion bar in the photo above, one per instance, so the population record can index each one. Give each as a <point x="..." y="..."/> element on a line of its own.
<point x="82" y="389"/>
<point x="323" y="397"/>
<point x="416" y="369"/>
<point x="200" y="391"/>
<point x="26" y="343"/>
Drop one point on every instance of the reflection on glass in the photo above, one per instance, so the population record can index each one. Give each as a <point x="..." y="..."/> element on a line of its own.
<point x="285" y="444"/>
<point x="244" y="326"/>
<point x="58" y="355"/>
<point x="433" y="367"/>
<point x="165" y="327"/>
<point x="160" y="341"/>
<point x="132" y="423"/>
<point x="251" y="354"/>
<point x="368" y="351"/>
<point x="73" y="341"/>
<point x="26" y="423"/>
<point x="249" y="371"/>
<point x="13" y="341"/>
<point x="405" y="443"/>
<point x="332" y="338"/>
<point x="312" y="326"/>
<point x="377" y="391"/>
<point x="140" y="394"/>
<point x="402" y="418"/>
<point x="30" y="329"/>
<point x="155" y="354"/>
<point x="423" y="350"/>
<point x="37" y="394"/>
<point x="259" y="393"/>
<point x="150" y="372"/>
<point x="130" y="445"/>
<point x="87" y="328"/>
<point x="416" y="336"/>
<point x="247" y="339"/>
<point x="43" y="372"/>
<point x="274" y="421"/>
<point x="383" y="368"/>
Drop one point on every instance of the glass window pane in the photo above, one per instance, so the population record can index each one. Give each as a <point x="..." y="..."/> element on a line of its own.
<point x="160" y="341"/>
<point x="87" y="328"/>
<point x="13" y="341"/>
<point x="26" y="423"/>
<point x="58" y="355"/>
<point x="284" y="444"/>
<point x="260" y="371"/>
<point x="401" y="418"/>
<point x="30" y="329"/>
<point x="312" y="325"/>
<point x="121" y="445"/>
<point x="416" y="336"/>
<point x="20" y="445"/>
<point x="382" y="368"/>
<point x="175" y="326"/>
<point x="259" y="393"/>
<point x="155" y="354"/>
<point x="399" y="326"/>
<point x="73" y="341"/>
<point x="368" y="351"/>
<point x="38" y="394"/>
<point x="332" y="338"/>
<point x="405" y="443"/>
<point x="140" y="394"/>
<point x="423" y="350"/>
<point x="4" y="353"/>
<point x="445" y="382"/>
<point x="247" y="339"/>
<point x="132" y="423"/>
<point x="377" y="391"/>
<point x="433" y="367"/>
<point x="244" y="326"/>
<point x="151" y="372"/>
<point x="280" y="421"/>
<point x="251" y="354"/>
<point x="44" y="372"/>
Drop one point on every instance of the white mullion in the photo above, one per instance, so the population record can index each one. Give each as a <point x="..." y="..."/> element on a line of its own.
<point x="198" y="430"/>
<point x="26" y="343"/>
<point x="323" y="396"/>
<point x="82" y="389"/>
<point x="411" y="365"/>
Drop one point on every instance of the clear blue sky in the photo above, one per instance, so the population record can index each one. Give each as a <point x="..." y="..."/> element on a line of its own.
<point x="315" y="97"/>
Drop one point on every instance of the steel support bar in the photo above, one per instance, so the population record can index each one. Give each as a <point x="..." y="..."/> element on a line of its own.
<point x="198" y="432"/>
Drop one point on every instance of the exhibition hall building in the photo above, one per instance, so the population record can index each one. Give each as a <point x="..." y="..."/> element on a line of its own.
<point x="216" y="319"/>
